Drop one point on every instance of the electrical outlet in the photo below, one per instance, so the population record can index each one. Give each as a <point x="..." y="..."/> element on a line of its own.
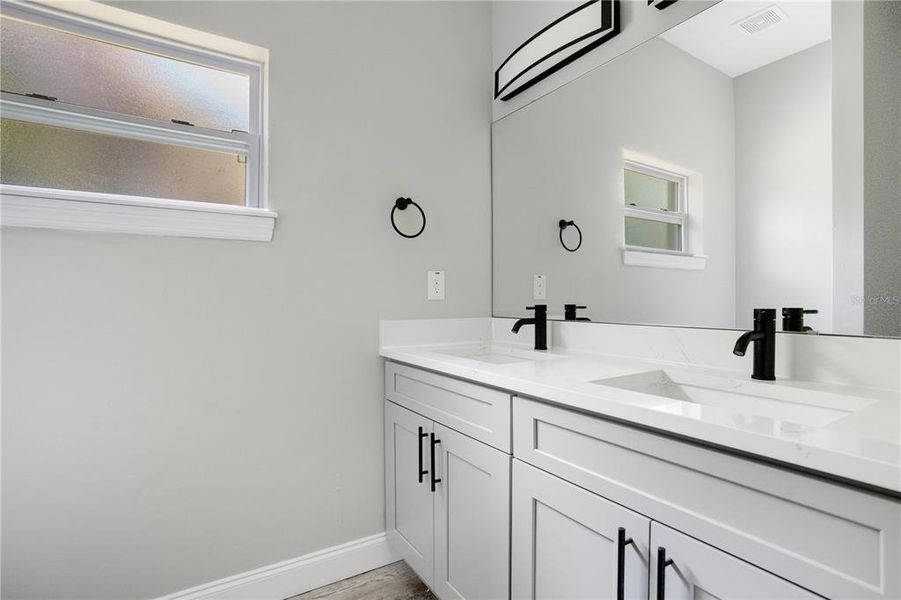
<point x="539" y="288"/>
<point x="436" y="285"/>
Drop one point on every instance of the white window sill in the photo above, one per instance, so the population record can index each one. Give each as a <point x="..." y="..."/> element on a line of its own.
<point x="83" y="211"/>
<point x="663" y="260"/>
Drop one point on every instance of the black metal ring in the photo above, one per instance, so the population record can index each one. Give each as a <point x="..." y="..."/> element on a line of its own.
<point x="402" y="204"/>
<point x="563" y="225"/>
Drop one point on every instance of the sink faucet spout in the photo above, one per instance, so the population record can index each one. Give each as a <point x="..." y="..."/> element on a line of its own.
<point x="741" y="345"/>
<point x="518" y="325"/>
<point x="540" y="323"/>
<point x="763" y="336"/>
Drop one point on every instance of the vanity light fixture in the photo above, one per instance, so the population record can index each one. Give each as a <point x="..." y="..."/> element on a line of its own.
<point x="571" y="36"/>
<point x="661" y="4"/>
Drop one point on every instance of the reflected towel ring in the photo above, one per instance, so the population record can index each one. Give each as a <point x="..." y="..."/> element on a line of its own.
<point x="402" y="204"/>
<point x="563" y="225"/>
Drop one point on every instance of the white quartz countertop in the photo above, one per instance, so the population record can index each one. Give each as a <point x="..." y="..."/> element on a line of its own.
<point x="860" y="444"/>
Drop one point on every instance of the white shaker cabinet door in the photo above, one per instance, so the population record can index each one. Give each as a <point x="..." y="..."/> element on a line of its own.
<point x="472" y="518"/>
<point x="684" y="568"/>
<point x="567" y="542"/>
<point x="409" y="512"/>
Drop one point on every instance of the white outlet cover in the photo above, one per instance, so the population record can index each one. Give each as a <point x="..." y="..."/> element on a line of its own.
<point x="435" y="285"/>
<point x="539" y="287"/>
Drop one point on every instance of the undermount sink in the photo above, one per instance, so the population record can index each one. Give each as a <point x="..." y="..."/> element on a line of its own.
<point x="790" y="407"/>
<point x="497" y="356"/>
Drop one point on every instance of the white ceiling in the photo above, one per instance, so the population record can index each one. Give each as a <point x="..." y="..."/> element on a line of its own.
<point x="712" y="37"/>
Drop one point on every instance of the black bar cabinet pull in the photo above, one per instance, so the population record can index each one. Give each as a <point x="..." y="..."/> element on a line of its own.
<point x="621" y="543"/>
<point x="662" y="563"/>
<point x="422" y="434"/>
<point x="432" y="443"/>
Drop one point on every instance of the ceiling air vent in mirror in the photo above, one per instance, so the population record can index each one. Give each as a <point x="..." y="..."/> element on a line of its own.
<point x="760" y="20"/>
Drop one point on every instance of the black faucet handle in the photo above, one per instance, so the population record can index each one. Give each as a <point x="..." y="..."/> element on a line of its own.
<point x="538" y="308"/>
<point x="569" y="312"/>
<point x="799" y="311"/>
<point x="764" y="313"/>
<point x="764" y="318"/>
<point x="793" y="318"/>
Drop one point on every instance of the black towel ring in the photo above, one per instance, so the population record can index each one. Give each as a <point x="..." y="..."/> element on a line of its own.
<point x="402" y="204"/>
<point x="563" y="225"/>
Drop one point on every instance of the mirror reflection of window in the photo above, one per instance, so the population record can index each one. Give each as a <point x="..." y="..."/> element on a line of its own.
<point x="655" y="209"/>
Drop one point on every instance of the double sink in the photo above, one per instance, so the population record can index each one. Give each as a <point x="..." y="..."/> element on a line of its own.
<point x="699" y="394"/>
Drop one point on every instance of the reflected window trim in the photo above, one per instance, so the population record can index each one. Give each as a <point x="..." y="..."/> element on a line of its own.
<point x="634" y="256"/>
<point x="146" y="34"/>
<point x="678" y="217"/>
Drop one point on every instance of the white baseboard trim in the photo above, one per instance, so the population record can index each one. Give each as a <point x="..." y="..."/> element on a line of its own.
<point x="297" y="575"/>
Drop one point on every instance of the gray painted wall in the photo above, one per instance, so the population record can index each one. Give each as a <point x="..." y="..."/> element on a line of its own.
<point x="783" y="179"/>
<point x="882" y="168"/>
<point x="562" y="157"/>
<point x="180" y="410"/>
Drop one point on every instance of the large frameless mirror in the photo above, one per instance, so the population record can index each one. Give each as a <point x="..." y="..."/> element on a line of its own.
<point x="748" y="157"/>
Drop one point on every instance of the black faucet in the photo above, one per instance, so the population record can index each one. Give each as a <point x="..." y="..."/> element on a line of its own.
<point x="540" y="323"/>
<point x="793" y="319"/>
<point x="569" y="313"/>
<point x="764" y="339"/>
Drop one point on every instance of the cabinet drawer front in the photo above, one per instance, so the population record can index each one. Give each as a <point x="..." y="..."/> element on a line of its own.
<point x="479" y="412"/>
<point x="831" y="539"/>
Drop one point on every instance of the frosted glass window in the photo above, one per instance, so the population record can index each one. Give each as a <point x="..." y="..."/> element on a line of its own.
<point x="647" y="191"/>
<point x="96" y="74"/>
<point x="658" y="235"/>
<point x="55" y="157"/>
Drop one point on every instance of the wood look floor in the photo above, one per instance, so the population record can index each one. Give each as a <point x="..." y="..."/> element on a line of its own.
<point x="391" y="582"/>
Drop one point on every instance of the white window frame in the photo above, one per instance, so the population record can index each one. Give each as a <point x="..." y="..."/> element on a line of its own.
<point x="26" y="206"/>
<point x="677" y="217"/>
<point x="690" y="257"/>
